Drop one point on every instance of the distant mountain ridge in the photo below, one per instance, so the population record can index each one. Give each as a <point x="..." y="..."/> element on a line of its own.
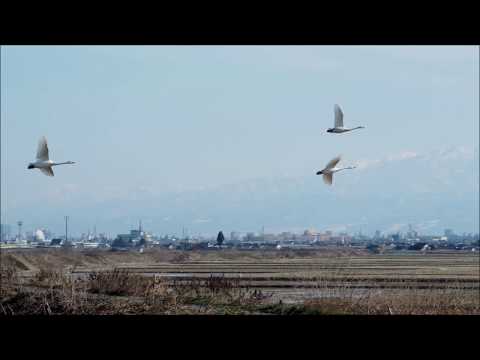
<point x="431" y="191"/>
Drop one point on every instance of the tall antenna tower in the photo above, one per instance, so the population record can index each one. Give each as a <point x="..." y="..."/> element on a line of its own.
<point x="66" y="228"/>
<point x="20" y="223"/>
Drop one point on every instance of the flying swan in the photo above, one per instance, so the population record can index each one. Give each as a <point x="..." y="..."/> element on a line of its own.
<point x="43" y="163"/>
<point x="338" y="126"/>
<point x="330" y="169"/>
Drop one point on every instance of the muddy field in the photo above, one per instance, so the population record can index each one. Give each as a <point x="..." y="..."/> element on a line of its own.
<point x="329" y="281"/>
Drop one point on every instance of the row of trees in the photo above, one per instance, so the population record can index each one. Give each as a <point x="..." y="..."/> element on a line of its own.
<point x="120" y="242"/>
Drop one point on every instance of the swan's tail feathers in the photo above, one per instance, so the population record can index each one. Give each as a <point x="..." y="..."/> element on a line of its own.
<point x="328" y="178"/>
<point x="47" y="171"/>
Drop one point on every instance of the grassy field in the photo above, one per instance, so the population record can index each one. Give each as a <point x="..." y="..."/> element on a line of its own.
<point x="327" y="281"/>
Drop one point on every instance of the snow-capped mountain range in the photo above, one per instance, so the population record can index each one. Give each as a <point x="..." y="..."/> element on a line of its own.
<point x="431" y="191"/>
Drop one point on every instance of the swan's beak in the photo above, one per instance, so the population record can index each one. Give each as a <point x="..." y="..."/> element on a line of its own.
<point x="319" y="172"/>
<point x="30" y="166"/>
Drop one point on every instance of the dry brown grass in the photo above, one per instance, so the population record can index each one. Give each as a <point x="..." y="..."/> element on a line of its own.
<point x="412" y="303"/>
<point x="404" y="300"/>
<point x="218" y="290"/>
<point x="117" y="283"/>
<point x="55" y="288"/>
<point x="8" y="279"/>
<point x="52" y="291"/>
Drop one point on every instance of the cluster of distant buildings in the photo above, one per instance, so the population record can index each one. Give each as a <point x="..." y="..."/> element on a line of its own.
<point x="412" y="240"/>
<point x="45" y="238"/>
<point x="138" y="239"/>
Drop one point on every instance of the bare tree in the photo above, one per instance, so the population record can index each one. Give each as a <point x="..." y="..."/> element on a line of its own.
<point x="220" y="238"/>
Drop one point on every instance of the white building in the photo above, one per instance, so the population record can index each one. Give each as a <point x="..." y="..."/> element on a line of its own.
<point x="39" y="236"/>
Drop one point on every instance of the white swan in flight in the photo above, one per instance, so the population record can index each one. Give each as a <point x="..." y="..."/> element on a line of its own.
<point x="331" y="168"/>
<point x="338" y="126"/>
<point x="43" y="162"/>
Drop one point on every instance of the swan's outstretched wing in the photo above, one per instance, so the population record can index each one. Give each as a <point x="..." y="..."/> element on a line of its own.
<point x="328" y="178"/>
<point x="338" y="117"/>
<point x="42" y="151"/>
<point x="47" y="171"/>
<point x="333" y="162"/>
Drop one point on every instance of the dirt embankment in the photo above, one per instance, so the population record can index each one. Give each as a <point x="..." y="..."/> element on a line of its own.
<point x="33" y="260"/>
<point x="37" y="259"/>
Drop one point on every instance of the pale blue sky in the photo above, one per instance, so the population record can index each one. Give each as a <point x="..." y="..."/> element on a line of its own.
<point x="168" y="118"/>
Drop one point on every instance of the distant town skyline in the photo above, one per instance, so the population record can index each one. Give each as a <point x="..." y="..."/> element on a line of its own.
<point x="10" y="233"/>
<point x="229" y="137"/>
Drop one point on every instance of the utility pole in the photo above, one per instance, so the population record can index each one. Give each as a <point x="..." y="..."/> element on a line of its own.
<point x="66" y="228"/>
<point x="20" y="223"/>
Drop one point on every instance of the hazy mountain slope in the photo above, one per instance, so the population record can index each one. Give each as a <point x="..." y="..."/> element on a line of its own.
<point x="431" y="191"/>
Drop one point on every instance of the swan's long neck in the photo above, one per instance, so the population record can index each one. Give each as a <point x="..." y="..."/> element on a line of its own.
<point x="345" y="168"/>
<point x="63" y="163"/>
<point x="358" y="127"/>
